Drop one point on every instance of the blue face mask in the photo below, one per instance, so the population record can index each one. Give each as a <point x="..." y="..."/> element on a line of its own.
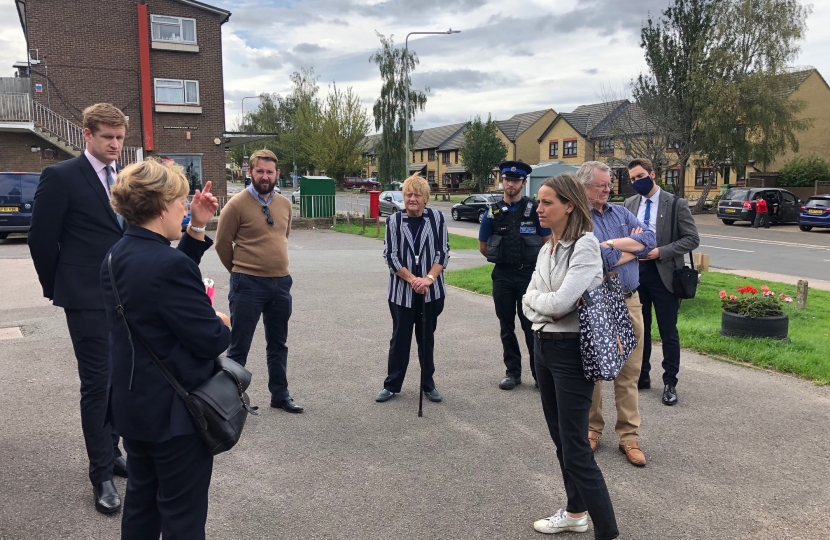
<point x="643" y="185"/>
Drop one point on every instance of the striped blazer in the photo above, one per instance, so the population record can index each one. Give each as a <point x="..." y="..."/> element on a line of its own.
<point x="399" y="252"/>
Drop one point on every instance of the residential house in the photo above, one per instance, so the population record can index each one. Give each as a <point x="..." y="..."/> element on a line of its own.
<point x="160" y="63"/>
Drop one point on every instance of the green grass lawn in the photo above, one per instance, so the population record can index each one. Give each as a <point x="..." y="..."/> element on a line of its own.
<point x="456" y="241"/>
<point x="806" y="353"/>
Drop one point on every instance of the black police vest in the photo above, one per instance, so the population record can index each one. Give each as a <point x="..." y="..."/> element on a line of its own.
<point x="515" y="239"/>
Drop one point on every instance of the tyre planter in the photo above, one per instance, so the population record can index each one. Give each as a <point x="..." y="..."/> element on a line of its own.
<point x="735" y="325"/>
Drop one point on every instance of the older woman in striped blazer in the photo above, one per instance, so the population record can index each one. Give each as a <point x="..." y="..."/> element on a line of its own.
<point x="417" y="251"/>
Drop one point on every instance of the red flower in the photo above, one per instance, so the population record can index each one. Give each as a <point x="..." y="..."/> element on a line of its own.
<point x="722" y="294"/>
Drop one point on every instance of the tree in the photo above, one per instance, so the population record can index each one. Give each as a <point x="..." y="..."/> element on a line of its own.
<point x="482" y="150"/>
<point x="396" y="66"/>
<point x="804" y="172"/>
<point x="343" y="124"/>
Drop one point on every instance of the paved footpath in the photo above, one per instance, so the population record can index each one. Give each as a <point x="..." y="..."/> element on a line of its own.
<point x="745" y="454"/>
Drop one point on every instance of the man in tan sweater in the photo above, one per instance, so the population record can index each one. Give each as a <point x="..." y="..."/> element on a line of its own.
<point x="252" y="243"/>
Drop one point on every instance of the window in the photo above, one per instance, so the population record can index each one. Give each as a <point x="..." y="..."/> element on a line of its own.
<point x="469" y="200"/>
<point x="177" y="91"/>
<point x="173" y="29"/>
<point x="413" y="157"/>
<point x="569" y="148"/>
<point x="432" y="155"/>
<point x="371" y="160"/>
<point x="192" y="166"/>
<point x="446" y="159"/>
<point x="422" y="155"/>
<point x="705" y="174"/>
<point x="431" y="177"/>
<point x="456" y="157"/>
<point x="606" y="146"/>
<point x="672" y="177"/>
<point x="553" y="148"/>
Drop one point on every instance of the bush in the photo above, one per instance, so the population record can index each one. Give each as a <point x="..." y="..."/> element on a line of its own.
<point x="804" y="172"/>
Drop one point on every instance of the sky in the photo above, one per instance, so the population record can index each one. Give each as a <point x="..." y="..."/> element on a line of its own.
<point x="511" y="56"/>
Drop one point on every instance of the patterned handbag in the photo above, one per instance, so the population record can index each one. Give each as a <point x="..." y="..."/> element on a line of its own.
<point x="606" y="335"/>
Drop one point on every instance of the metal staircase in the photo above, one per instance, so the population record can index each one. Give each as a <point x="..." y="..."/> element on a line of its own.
<point x="52" y="127"/>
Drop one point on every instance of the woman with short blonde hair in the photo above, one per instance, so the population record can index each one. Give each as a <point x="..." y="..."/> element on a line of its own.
<point x="163" y="297"/>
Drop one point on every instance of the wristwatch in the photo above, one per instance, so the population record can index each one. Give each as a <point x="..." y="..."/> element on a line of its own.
<point x="610" y="243"/>
<point x="431" y="278"/>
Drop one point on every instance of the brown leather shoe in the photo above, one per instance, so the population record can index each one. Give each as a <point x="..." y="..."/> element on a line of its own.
<point x="632" y="451"/>
<point x="593" y="439"/>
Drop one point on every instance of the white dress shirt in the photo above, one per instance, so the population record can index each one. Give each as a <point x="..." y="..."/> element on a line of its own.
<point x="652" y="218"/>
<point x="99" y="168"/>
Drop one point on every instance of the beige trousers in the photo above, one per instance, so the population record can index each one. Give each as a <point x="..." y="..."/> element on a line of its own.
<point x="625" y="385"/>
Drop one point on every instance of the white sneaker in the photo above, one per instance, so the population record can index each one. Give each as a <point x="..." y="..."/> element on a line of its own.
<point x="561" y="522"/>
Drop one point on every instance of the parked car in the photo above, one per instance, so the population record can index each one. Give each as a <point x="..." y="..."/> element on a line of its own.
<point x="815" y="213"/>
<point x="390" y="202"/>
<point x="17" y="198"/>
<point x="473" y="207"/>
<point x="738" y="204"/>
<point x="248" y="183"/>
<point x="357" y="183"/>
<point x="186" y="220"/>
<point x="295" y="197"/>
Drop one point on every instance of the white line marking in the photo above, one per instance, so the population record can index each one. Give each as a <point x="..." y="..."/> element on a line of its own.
<point x="729" y="249"/>
<point x="758" y="241"/>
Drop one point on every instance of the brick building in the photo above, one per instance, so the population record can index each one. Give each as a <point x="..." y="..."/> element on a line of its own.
<point x="159" y="61"/>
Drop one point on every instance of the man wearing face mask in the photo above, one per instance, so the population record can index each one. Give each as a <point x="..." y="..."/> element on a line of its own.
<point x="511" y="236"/>
<point x="676" y="236"/>
<point x="252" y="243"/>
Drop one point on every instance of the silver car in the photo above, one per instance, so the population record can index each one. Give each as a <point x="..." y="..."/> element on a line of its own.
<point x="390" y="202"/>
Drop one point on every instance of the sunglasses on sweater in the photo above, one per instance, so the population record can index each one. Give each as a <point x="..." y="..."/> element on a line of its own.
<point x="267" y="212"/>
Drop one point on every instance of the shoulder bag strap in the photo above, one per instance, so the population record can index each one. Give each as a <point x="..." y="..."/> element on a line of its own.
<point x="119" y="308"/>
<point x="675" y="233"/>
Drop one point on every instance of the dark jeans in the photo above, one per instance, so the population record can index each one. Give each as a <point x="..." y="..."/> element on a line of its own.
<point x="89" y="331"/>
<point x="250" y="297"/>
<point x="566" y="400"/>
<point x="403" y="321"/>
<point x="761" y="218"/>
<point x="509" y="286"/>
<point x="167" y="489"/>
<point x="654" y="293"/>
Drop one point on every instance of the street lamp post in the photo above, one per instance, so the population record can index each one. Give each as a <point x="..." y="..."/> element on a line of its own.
<point x="244" y="150"/>
<point x="406" y="99"/>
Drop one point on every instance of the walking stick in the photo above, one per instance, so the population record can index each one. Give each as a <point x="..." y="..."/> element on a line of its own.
<point x="421" y="352"/>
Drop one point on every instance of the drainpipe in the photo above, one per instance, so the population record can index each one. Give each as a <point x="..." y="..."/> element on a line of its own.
<point x="144" y="69"/>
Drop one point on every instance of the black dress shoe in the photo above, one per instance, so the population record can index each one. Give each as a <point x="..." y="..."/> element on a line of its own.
<point x="509" y="383"/>
<point x="119" y="468"/>
<point x="287" y="405"/>
<point x="643" y="384"/>
<point x="107" y="500"/>
<point x="669" y="395"/>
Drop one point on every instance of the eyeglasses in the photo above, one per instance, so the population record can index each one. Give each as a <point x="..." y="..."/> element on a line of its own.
<point x="603" y="186"/>
<point x="267" y="212"/>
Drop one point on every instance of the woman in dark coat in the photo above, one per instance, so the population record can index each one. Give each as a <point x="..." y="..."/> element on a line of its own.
<point x="161" y="289"/>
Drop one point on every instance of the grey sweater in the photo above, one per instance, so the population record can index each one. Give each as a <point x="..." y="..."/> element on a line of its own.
<point x="550" y="301"/>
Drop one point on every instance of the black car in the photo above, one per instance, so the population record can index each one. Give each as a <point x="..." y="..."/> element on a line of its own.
<point x="473" y="207"/>
<point x="17" y="198"/>
<point x="738" y="204"/>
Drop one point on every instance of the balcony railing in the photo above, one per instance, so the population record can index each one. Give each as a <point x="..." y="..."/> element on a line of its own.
<point x="15" y="108"/>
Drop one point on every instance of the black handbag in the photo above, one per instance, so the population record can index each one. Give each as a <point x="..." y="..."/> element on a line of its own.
<point x="219" y="406"/>
<point x="606" y="334"/>
<point x="685" y="279"/>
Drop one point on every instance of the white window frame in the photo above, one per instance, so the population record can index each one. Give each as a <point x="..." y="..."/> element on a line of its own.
<point x="181" y="29"/>
<point x="184" y="91"/>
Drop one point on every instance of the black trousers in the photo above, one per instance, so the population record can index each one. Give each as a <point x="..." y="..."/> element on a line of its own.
<point x="654" y="293"/>
<point x="761" y="218"/>
<point x="89" y="331"/>
<point x="403" y="321"/>
<point x="509" y="286"/>
<point x="566" y="400"/>
<point x="167" y="489"/>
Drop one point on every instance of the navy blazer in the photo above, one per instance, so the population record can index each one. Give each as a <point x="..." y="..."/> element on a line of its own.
<point x="73" y="227"/>
<point x="164" y="298"/>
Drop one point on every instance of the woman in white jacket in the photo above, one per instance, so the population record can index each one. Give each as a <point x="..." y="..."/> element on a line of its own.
<point x="568" y="265"/>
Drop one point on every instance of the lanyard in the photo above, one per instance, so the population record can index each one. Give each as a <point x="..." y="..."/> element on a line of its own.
<point x="416" y="244"/>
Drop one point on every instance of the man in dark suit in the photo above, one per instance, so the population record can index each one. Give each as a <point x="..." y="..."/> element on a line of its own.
<point x="676" y="236"/>
<point x="73" y="227"/>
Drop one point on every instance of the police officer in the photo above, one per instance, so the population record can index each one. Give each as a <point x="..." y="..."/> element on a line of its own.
<point x="511" y="237"/>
